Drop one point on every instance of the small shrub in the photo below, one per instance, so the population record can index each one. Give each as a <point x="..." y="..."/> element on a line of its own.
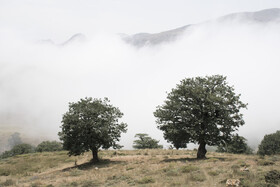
<point x="4" y="172"/>
<point x="272" y="176"/>
<point x="129" y="168"/>
<point x="213" y="173"/>
<point x="173" y="172"/>
<point x="146" y="180"/>
<point x="89" y="183"/>
<point x="189" y="168"/>
<point x="265" y="163"/>
<point x="197" y="176"/>
<point x="8" y="182"/>
<point x="74" y="184"/>
<point x="244" y="182"/>
<point x="234" y="166"/>
<point x="264" y="185"/>
<point x="35" y="184"/>
<point x="75" y="172"/>
<point x="274" y="158"/>
<point x="243" y="163"/>
<point x="223" y="181"/>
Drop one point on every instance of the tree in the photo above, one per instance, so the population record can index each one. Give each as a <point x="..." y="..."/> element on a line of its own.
<point x="91" y="124"/>
<point x="49" y="146"/>
<point x="14" y="140"/>
<point x="19" y="149"/>
<point x="237" y="145"/>
<point x="270" y="144"/>
<point x="145" y="142"/>
<point x="202" y="110"/>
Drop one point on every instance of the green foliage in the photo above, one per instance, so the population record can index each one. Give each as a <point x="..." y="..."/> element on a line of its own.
<point x="22" y="149"/>
<point x="18" y="150"/>
<point x="237" y="145"/>
<point x="272" y="176"/>
<point x="213" y="173"/>
<point x="270" y="144"/>
<point x="197" y="176"/>
<point x="91" y="124"/>
<point x="8" y="182"/>
<point x="145" y="142"/>
<point x="14" y="140"/>
<point x="189" y="169"/>
<point x="263" y="162"/>
<point x="146" y="180"/>
<point x="49" y="146"/>
<point x="203" y="110"/>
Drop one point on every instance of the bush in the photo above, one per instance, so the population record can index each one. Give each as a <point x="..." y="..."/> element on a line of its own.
<point x="8" y="182"/>
<point x="270" y="144"/>
<point x="18" y="150"/>
<point x="237" y="145"/>
<point x="189" y="169"/>
<point x="22" y="149"/>
<point x="272" y="176"/>
<point x="197" y="176"/>
<point x="49" y="146"/>
<point x="265" y="163"/>
<point x="146" y="180"/>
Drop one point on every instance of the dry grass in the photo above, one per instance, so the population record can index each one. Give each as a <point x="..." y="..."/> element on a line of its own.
<point x="135" y="168"/>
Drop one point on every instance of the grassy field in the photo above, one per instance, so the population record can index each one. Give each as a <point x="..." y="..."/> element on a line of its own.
<point x="135" y="168"/>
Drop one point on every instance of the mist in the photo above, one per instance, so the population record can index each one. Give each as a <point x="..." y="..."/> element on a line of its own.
<point x="38" y="80"/>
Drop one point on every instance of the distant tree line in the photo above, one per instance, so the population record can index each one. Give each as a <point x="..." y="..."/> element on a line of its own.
<point x="24" y="148"/>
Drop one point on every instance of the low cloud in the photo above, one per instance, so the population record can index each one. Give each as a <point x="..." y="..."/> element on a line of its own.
<point x="37" y="81"/>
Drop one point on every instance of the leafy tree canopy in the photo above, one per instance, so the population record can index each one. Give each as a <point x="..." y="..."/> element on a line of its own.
<point x="49" y="146"/>
<point x="270" y="144"/>
<point x="91" y="124"/>
<point x="203" y="110"/>
<point x="19" y="149"/>
<point x="145" y="142"/>
<point x="237" y="145"/>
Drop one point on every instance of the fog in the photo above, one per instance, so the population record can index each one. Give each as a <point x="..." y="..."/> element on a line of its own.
<point x="39" y="79"/>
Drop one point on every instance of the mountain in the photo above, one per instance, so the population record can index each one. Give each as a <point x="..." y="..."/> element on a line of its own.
<point x="147" y="39"/>
<point x="263" y="16"/>
<point x="152" y="39"/>
<point x="76" y="38"/>
<point x="143" y="39"/>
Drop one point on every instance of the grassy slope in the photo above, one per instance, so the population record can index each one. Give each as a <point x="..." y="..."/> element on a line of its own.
<point x="134" y="168"/>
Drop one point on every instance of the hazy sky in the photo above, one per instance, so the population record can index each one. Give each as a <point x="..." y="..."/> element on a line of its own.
<point x="37" y="81"/>
<point x="60" y="19"/>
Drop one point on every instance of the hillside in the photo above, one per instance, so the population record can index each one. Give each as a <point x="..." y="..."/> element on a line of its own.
<point x="135" y="168"/>
<point x="151" y="39"/>
<point x="259" y="17"/>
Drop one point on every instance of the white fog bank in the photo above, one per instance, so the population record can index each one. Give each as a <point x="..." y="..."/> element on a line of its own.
<point x="38" y="80"/>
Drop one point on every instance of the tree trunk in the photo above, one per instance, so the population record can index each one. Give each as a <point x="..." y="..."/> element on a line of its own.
<point x="95" y="158"/>
<point x="201" y="152"/>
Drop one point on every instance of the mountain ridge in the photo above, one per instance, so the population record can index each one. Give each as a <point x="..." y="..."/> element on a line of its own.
<point x="146" y="39"/>
<point x="151" y="39"/>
